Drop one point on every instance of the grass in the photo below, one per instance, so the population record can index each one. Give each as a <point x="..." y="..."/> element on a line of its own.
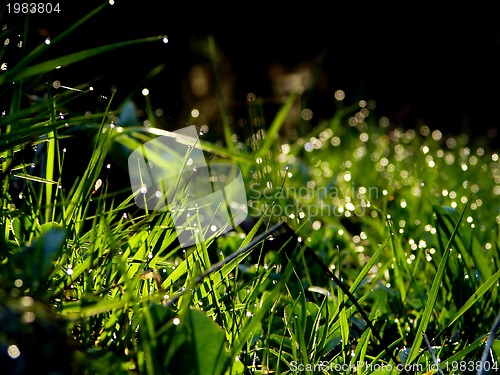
<point x="366" y="246"/>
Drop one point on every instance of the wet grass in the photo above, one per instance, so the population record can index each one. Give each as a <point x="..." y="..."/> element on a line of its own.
<point x="366" y="246"/>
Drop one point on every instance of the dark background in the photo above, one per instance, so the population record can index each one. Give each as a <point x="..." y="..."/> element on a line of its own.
<point x="419" y="64"/>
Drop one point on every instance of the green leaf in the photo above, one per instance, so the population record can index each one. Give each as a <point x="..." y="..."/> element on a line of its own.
<point x="199" y="346"/>
<point x="34" y="261"/>
<point x="433" y="294"/>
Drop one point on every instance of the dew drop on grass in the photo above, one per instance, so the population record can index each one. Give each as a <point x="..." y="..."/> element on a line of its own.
<point x="98" y="184"/>
<point x="13" y="351"/>
<point x="176" y="321"/>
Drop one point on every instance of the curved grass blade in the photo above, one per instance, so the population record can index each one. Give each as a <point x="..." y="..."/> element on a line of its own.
<point x="47" y="66"/>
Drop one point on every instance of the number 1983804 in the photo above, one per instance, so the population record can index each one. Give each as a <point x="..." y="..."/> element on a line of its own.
<point x="33" y="8"/>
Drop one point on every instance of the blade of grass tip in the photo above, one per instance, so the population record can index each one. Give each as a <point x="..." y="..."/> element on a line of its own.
<point x="152" y="73"/>
<point x="274" y="128"/>
<point x="212" y="51"/>
<point x="489" y="343"/>
<point x="436" y="284"/>
<point x="49" y="65"/>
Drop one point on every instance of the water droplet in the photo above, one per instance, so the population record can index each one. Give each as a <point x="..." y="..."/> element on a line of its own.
<point x="165" y="39"/>
<point x="98" y="184"/>
<point x="176" y="321"/>
<point x="13" y="351"/>
<point x="47" y="41"/>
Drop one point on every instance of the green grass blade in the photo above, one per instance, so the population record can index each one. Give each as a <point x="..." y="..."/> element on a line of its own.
<point x="473" y="299"/>
<point x="36" y="52"/>
<point x="47" y="66"/>
<point x="212" y="50"/>
<point x="274" y="128"/>
<point x="431" y="300"/>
